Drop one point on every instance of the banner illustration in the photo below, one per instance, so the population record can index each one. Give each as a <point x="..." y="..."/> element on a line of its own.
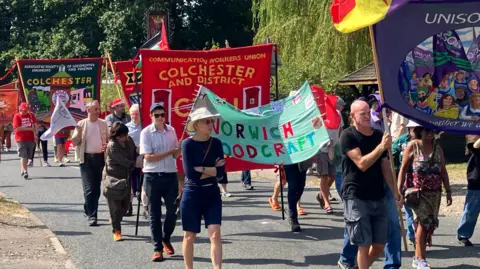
<point x="75" y="81"/>
<point x="125" y="71"/>
<point x="434" y="70"/>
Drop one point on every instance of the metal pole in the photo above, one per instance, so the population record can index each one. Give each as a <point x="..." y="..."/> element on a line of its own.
<point x="137" y="90"/>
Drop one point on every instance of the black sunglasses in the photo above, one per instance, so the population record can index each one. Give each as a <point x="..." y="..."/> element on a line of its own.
<point x="159" y="115"/>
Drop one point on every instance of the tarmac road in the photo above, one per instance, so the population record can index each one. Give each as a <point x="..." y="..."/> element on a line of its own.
<point x="253" y="234"/>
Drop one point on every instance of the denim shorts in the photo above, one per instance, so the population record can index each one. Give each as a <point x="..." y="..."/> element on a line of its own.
<point x="198" y="202"/>
<point x="324" y="167"/>
<point x="366" y="221"/>
<point x="60" y="140"/>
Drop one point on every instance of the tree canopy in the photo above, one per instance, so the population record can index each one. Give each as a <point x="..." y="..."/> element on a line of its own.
<point x="47" y="29"/>
<point x="309" y="45"/>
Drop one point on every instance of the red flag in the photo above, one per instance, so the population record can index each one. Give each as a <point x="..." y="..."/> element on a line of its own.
<point x="163" y="44"/>
<point x="327" y="105"/>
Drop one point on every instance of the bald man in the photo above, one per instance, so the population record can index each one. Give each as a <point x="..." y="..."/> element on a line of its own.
<point x="366" y="169"/>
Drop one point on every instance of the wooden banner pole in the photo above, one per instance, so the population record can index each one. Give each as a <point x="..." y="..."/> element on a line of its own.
<point x="387" y="129"/>
<point x="110" y="63"/>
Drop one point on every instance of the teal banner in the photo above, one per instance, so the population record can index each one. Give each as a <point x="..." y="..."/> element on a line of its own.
<point x="286" y="131"/>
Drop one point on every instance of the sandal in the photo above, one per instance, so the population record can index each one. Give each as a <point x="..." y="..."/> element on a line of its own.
<point x="301" y="211"/>
<point x="275" y="206"/>
<point x="329" y="210"/>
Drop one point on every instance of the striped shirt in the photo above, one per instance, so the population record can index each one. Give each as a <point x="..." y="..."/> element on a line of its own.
<point x="154" y="141"/>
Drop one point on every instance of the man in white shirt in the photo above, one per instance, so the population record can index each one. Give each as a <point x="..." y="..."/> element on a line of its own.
<point x="159" y="146"/>
<point x="90" y="139"/>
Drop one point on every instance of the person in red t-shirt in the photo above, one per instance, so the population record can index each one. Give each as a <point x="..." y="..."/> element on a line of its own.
<point x="25" y="126"/>
<point x="60" y="140"/>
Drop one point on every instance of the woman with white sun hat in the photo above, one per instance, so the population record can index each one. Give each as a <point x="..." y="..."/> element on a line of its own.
<point x="204" y="164"/>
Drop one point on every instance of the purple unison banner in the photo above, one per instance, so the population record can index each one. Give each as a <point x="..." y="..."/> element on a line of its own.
<point x="442" y="37"/>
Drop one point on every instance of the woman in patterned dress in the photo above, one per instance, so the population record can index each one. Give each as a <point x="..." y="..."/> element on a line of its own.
<point x="427" y="161"/>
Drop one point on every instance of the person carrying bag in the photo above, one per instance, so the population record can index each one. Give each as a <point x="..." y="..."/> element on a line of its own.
<point x="121" y="159"/>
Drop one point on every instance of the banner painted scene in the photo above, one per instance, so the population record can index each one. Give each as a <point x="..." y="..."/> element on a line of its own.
<point x="286" y="131"/>
<point x="75" y="81"/>
<point x="241" y="76"/>
<point x="8" y="102"/>
<point x="124" y="70"/>
<point x="436" y="69"/>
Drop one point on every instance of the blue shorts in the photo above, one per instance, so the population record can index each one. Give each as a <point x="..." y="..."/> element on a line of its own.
<point x="60" y="140"/>
<point x="198" y="202"/>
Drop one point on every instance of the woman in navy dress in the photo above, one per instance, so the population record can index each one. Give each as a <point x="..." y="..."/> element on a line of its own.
<point x="204" y="165"/>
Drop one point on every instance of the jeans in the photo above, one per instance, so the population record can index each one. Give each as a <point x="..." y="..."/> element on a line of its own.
<point x="296" y="185"/>
<point x="91" y="171"/>
<point x="393" y="251"/>
<point x="158" y="186"/>
<point x="470" y="215"/>
<point x="338" y="183"/>
<point x="135" y="179"/>
<point x="410" y="223"/>
<point x="246" y="177"/>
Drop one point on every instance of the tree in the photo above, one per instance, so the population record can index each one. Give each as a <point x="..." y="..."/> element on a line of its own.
<point x="309" y="46"/>
<point x="216" y="20"/>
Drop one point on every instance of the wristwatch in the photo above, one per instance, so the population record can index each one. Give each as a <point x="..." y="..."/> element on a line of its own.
<point x="203" y="169"/>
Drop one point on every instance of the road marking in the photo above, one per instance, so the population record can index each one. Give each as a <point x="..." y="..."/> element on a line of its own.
<point x="264" y="222"/>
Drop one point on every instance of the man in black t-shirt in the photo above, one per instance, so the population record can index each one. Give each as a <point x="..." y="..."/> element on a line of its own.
<point x="472" y="200"/>
<point x="365" y="171"/>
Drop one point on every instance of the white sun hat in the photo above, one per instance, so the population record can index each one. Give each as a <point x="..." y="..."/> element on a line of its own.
<point x="199" y="114"/>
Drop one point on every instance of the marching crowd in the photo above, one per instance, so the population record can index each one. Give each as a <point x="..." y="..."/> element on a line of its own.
<point x="120" y="159"/>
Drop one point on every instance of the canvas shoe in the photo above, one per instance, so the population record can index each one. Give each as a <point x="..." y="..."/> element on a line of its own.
<point x="423" y="264"/>
<point x="226" y="194"/>
<point x="46" y="164"/>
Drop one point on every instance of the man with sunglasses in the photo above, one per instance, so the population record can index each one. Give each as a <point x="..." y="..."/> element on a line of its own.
<point x="118" y="113"/>
<point x="159" y="146"/>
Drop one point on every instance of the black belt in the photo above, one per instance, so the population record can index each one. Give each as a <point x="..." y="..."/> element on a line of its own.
<point x="94" y="155"/>
<point x="161" y="173"/>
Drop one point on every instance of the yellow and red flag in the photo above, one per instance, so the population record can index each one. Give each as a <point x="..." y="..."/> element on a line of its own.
<point x="352" y="15"/>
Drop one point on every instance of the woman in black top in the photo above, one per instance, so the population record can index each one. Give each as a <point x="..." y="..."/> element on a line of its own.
<point x="204" y="165"/>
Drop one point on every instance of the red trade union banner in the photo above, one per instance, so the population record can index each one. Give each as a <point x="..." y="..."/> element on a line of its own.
<point x="155" y="24"/>
<point x="124" y="70"/>
<point x="8" y="102"/>
<point x="239" y="75"/>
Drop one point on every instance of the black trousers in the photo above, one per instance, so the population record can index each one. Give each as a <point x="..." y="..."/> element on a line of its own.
<point x="296" y="185"/>
<point x="91" y="171"/>
<point x="158" y="186"/>
<point x="44" y="148"/>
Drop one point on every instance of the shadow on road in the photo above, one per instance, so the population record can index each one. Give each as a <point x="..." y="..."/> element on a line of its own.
<point x="47" y="177"/>
<point x="71" y="233"/>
